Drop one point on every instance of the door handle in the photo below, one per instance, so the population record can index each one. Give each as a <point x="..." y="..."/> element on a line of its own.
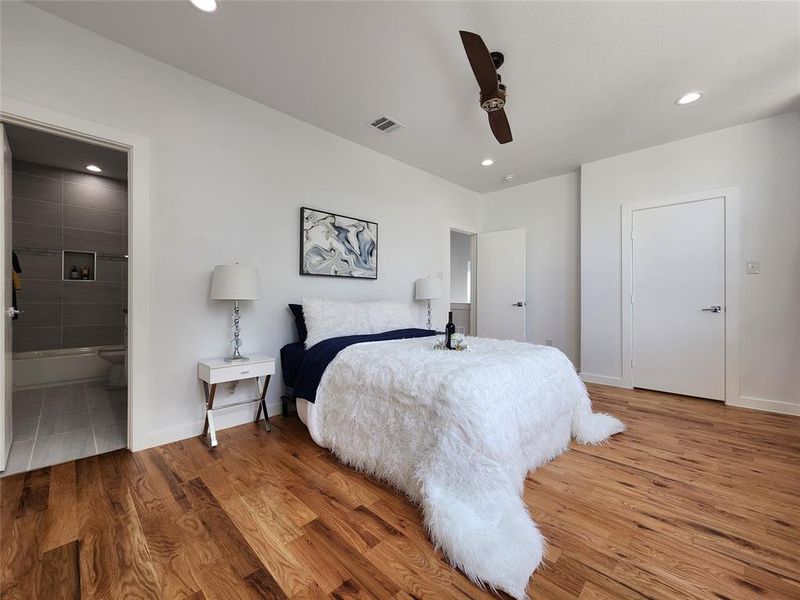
<point x="520" y="304"/>
<point x="12" y="312"/>
<point x="713" y="309"/>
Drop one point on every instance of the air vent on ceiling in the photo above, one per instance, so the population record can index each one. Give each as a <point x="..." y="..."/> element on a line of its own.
<point x="386" y="125"/>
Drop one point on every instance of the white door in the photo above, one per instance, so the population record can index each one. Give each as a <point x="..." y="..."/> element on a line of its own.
<point x="5" y="321"/>
<point x="679" y="298"/>
<point x="501" y="285"/>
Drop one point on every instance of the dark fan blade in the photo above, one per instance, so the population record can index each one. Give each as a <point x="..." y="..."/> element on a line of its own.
<point x="500" y="127"/>
<point x="481" y="61"/>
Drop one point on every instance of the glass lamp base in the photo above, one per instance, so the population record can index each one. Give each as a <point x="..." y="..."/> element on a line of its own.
<point x="430" y="325"/>
<point x="237" y="340"/>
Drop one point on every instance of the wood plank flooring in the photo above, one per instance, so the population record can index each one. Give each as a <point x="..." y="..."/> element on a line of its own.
<point x="695" y="500"/>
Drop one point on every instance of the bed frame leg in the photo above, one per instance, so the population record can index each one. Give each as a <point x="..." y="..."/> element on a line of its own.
<point x="285" y="404"/>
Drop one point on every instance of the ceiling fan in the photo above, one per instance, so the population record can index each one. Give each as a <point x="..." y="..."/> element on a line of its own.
<point x="493" y="92"/>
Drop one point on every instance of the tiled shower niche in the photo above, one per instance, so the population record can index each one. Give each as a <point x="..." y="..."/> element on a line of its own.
<point x="79" y="266"/>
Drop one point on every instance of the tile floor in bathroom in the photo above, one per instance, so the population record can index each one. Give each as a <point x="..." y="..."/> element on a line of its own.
<point x="57" y="424"/>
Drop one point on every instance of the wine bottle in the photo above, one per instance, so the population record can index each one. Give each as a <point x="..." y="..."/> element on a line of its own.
<point x="449" y="330"/>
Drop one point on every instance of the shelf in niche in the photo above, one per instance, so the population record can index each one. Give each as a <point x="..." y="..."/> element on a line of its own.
<point x="80" y="260"/>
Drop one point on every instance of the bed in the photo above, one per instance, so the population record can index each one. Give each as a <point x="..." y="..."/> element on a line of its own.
<point x="291" y="358"/>
<point x="455" y="431"/>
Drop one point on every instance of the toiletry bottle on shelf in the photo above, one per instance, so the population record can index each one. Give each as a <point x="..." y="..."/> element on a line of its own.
<point x="74" y="273"/>
<point x="84" y="273"/>
<point x="449" y="330"/>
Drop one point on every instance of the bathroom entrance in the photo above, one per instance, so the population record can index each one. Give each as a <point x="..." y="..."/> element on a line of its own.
<point x="462" y="280"/>
<point x="66" y="217"/>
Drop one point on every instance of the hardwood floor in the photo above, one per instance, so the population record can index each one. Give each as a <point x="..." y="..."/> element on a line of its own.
<point x="695" y="500"/>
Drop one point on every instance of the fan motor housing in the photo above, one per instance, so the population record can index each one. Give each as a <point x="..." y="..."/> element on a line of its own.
<point x="494" y="101"/>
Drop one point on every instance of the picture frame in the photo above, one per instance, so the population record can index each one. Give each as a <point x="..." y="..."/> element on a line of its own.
<point x="334" y="245"/>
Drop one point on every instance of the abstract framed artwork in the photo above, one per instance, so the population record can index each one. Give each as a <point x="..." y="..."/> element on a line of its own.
<point x="334" y="245"/>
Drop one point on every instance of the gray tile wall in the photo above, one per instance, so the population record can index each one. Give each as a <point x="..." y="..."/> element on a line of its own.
<point x="55" y="210"/>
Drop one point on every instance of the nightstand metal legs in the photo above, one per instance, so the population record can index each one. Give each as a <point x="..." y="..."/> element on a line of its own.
<point x="211" y="431"/>
<point x="218" y="370"/>
<point x="262" y="404"/>
<point x="209" y="425"/>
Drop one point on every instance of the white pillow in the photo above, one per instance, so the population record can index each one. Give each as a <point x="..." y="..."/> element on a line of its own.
<point x="388" y="316"/>
<point x="334" y="318"/>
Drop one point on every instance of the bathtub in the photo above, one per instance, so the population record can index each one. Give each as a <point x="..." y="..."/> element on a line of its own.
<point x="43" y="368"/>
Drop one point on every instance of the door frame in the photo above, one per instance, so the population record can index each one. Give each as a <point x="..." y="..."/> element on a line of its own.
<point x="732" y="264"/>
<point x="6" y="331"/>
<point x="19" y="112"/>
<point x="470" y="231"/>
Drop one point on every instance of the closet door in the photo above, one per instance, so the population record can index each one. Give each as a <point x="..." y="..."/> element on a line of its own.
<point x="679" y="298"/>
<point x="501" y="285"/>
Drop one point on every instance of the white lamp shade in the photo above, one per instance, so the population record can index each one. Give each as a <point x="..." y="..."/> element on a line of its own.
<point x="428" y="289"/>
<point x="234" y="282"/>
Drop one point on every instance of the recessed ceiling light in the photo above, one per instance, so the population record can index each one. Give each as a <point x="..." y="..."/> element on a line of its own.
<point x="205" y="5"/>
<point x="509" y="177"/>
<point x="689" y="97"/>
<point x="94" y="169"/>
<point x="487" y="162"/>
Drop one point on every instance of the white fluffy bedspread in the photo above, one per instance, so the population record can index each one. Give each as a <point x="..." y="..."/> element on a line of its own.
<point x="458" y="432"/>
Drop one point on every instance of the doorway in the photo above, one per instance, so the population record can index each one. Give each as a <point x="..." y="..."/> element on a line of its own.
<point x="462" y="280"/>
<point x="485" y="283"/>
<point x="67" y="386"/>
<point x="680" y="289"/>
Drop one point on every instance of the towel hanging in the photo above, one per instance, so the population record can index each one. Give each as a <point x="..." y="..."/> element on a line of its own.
<point x="16" y="283"/>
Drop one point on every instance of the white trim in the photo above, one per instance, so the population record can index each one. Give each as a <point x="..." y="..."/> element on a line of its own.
<point x="775" y="406"/>
<point x="603" y="380"/>
<point x="6" y="327"/>
<point x="473" y="284"/>
<point x="138" y="149"/>
<point x="731" y="196"/>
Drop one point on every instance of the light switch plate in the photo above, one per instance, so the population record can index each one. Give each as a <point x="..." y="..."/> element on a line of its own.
<point x="753" y="268"/>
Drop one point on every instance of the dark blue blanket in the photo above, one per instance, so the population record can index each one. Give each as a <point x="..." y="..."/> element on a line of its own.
<point x="319" y="356"/>
<point x="291" y="359"/>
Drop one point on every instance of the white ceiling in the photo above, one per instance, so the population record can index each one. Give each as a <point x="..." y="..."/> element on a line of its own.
<point x="587" y="80"/>
<point x="43" y="148"/>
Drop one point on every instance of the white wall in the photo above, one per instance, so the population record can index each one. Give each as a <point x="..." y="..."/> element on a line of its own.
<point x="549" y="211"/>
<point x="763" y="159"/>
<point x="460" y="255"/>
<point x="228" y="178"/>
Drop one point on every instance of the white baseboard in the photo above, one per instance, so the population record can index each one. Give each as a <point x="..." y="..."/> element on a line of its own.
<point x="603" y="380"/>
<point x="223" y="419"/>
<point x="775" y="406"/>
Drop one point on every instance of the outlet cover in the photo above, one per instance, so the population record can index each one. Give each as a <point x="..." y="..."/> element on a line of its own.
<point x="753" y="268"/>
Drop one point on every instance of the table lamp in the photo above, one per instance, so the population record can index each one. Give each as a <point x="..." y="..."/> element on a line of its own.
<point x="235" y="282"/>
<point x="429" y="289"/>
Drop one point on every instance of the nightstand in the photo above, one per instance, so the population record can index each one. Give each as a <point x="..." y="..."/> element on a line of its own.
<point x="218" y="370"/>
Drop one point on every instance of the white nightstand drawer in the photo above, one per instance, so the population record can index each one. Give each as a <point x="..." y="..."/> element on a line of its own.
<point x="244" y="370"/>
